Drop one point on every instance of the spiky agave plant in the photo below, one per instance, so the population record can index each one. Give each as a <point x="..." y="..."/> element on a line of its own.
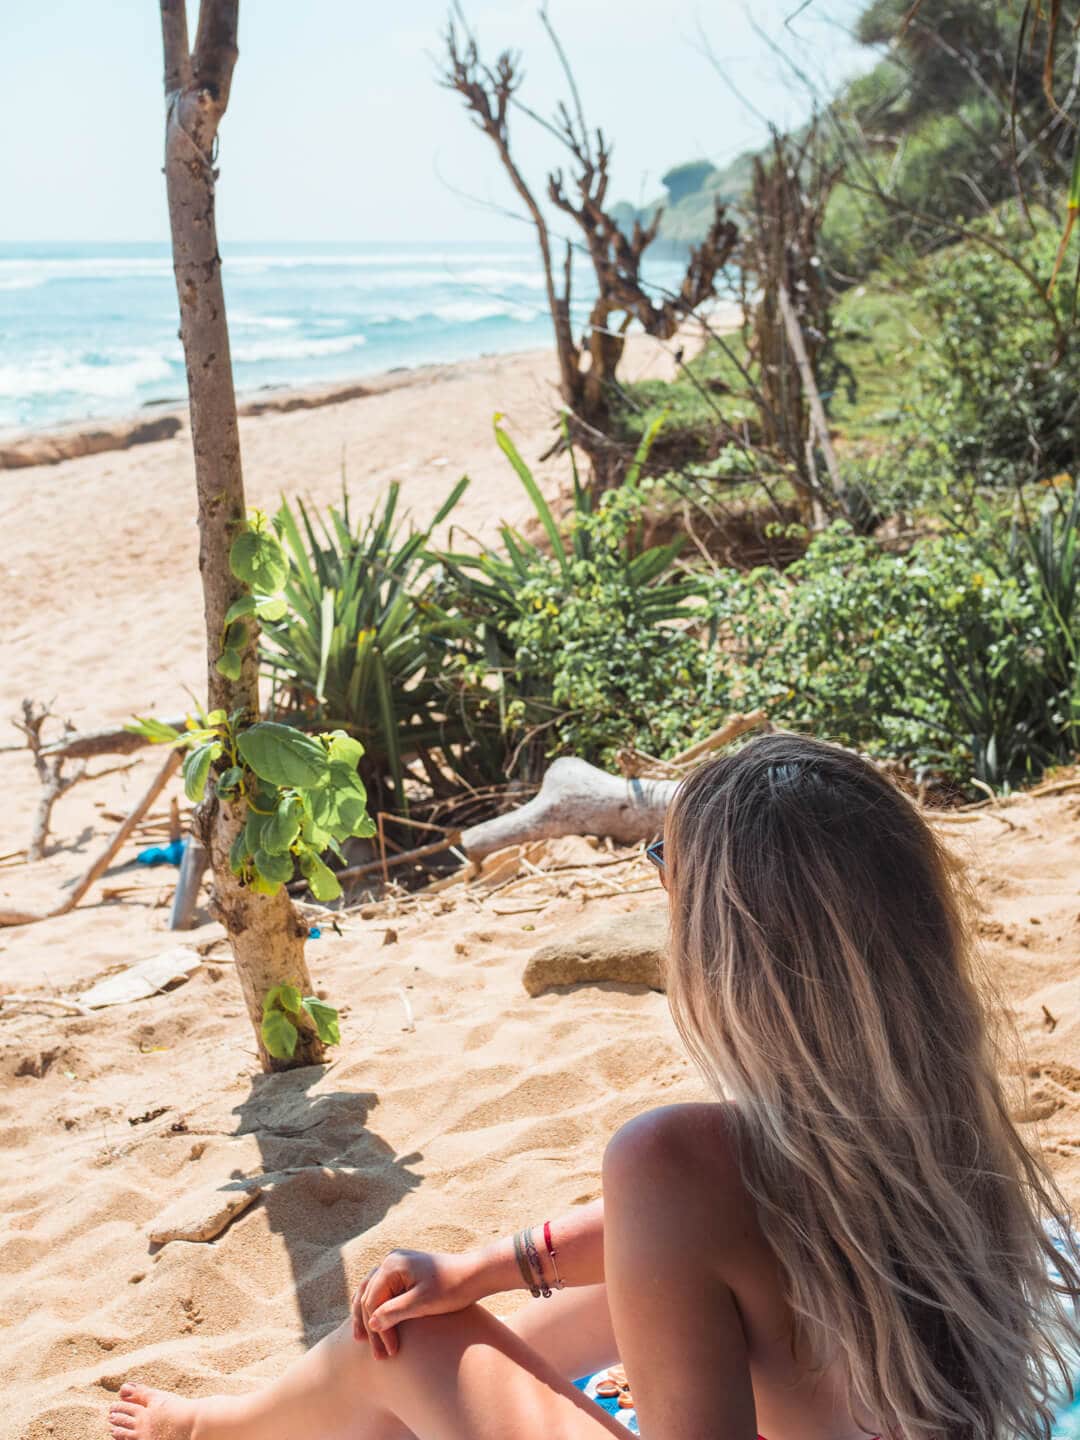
<point x="361" y="647"/>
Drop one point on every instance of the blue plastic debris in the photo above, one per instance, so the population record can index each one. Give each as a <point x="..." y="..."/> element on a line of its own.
<point x="314" y="933"/>
<point x="170" y="854"/>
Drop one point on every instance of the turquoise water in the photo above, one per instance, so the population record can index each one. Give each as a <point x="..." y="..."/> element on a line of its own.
<point x="91" y="330"/>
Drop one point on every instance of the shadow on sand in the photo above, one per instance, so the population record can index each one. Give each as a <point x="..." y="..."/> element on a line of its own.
<point x="329" y="1178"/>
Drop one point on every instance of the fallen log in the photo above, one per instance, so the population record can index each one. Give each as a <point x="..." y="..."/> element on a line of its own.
<point x="577" y="799"/>
<point x="101" y="742"/>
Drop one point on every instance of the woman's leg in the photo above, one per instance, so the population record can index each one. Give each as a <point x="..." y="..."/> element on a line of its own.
<point x="572" y="1330"/>
<point x="464" y="1376"/>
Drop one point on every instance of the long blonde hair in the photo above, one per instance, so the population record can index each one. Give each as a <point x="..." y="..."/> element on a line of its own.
<point x="820" y="974"/>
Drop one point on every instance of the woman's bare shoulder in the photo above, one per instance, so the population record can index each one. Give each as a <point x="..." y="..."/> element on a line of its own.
<point x="690" y="1147"/>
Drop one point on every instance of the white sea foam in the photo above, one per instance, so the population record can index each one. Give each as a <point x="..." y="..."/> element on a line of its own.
<point x="454" y="312"/>
<point x="57" y="373"/>
<point x="399" y="267"/>
<point x="244" y="320"/>
<point x="489" y="278"/>
<point x="254" y="351"/>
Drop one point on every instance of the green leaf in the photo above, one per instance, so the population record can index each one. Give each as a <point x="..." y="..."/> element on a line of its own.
<point x="642" y="452"/>
<point x="278" y="868"/>
<point x="257" y="559"/>
<point x="282" y="755"/>
<point x="326" y="636"/>
<point x="323" y="881"/>
<point x="281" y="829"/>
<point x="236" y="637"/>
<point x="270" y="607"/>
<point x="244" y="606"/>
<point x="253" y="830"/>
<point x="196" y="768"/>
<point x="230" y="664"/>
<point x="229" y="782"/>
<point x="262" y="886"/>
<point x="325" y="1018"/>
<point x="156" y="731"/>
<point x="282" y="997"/>
<point x="239" y="854"/>
<point x="279" y="1035"/>
<point x="340" y="807"/>
<point x="343" y="747"/>
<point x="215" y="718"/>
<point x="547" y="519"/>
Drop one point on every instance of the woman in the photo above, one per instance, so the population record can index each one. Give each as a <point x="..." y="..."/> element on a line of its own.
<point x="850" y="1243"/>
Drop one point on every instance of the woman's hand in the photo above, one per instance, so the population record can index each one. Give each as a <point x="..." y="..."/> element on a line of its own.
<point x="407" y="1284"/>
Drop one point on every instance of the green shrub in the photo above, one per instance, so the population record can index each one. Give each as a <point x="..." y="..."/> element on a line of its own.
<point x="583" y="645"/>
<point x="997" y="384"/>
<point x="960" y="657"/>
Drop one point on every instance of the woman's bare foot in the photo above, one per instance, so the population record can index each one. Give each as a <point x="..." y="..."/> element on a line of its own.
<point x="144" y="1414"/>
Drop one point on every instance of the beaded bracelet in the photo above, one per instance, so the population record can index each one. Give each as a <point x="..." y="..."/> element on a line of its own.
<point x="551" y="1254"/>
<point x="534" y="1261"/>
<point x="523" y="1266"/>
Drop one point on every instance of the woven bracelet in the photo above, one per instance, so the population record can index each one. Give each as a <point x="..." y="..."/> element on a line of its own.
<point x="534" y="1261"/>
<point x="523" y="1266"/>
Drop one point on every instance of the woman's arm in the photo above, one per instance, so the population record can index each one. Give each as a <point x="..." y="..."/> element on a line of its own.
<point x="676" y="1222"/>
<point x="577" y="1238"/>
<point x="410" y="1283"/>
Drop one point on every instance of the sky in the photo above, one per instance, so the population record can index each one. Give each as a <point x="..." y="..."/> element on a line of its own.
<point x="338" y="131"/>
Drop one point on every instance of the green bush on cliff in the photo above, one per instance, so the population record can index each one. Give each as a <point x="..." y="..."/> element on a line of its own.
<point x="961" y="657"/>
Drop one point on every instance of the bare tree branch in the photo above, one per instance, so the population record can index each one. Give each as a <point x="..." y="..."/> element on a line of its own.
<point x="215" y="53"/>
<point x="174" y="34"/>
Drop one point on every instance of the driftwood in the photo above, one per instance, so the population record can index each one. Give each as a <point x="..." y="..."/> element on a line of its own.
<point x="577" y="799"/>
<point x="50" y="771"/>
<point x="101" y="742"/>
<point x="101" y="864"/>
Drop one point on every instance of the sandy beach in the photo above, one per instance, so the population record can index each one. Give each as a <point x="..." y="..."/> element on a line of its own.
<point x="457" y="1107"/>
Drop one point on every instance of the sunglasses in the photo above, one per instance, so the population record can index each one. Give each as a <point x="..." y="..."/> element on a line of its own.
<point x="655" y="852"/>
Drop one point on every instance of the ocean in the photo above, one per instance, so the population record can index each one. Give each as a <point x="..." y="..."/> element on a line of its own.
<point x="91" y="330"/>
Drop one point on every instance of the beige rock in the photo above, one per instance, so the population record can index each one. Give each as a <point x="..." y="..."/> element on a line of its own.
<point x="629" y="948"/>
<point x="203" y="1214"/>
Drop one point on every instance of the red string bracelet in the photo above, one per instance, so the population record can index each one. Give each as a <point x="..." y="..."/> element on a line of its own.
<point x="551" y="1253"/>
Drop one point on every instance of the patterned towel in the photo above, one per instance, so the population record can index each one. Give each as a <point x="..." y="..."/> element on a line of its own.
<point x="624" y="1417"/>
<point x="1067" y="1426"/>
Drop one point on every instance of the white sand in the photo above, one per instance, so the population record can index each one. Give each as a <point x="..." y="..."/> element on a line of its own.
<point x="493" y="1111"/>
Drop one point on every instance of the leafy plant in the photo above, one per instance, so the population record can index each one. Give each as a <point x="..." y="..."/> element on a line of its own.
<point x="960" y="656"/>
<point x="360" y="643"/>
<point x="303" y="793"/>
<point x="997" y="383"/>
<point x="584" y="642"/>
<point x="282" y="1007"/>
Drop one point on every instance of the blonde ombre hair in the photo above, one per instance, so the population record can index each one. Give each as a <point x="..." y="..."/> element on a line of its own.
<point x="820" y="974"/>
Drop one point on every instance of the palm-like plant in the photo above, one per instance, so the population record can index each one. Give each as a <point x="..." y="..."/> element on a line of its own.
<point x="361" y="647"/>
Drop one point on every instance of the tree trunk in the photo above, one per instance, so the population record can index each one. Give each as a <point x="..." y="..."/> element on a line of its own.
<point x="266" y="934"/>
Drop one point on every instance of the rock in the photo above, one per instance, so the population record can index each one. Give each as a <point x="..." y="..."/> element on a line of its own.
<point x="629" y="948"/>
<point x="200" y="1215"/>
